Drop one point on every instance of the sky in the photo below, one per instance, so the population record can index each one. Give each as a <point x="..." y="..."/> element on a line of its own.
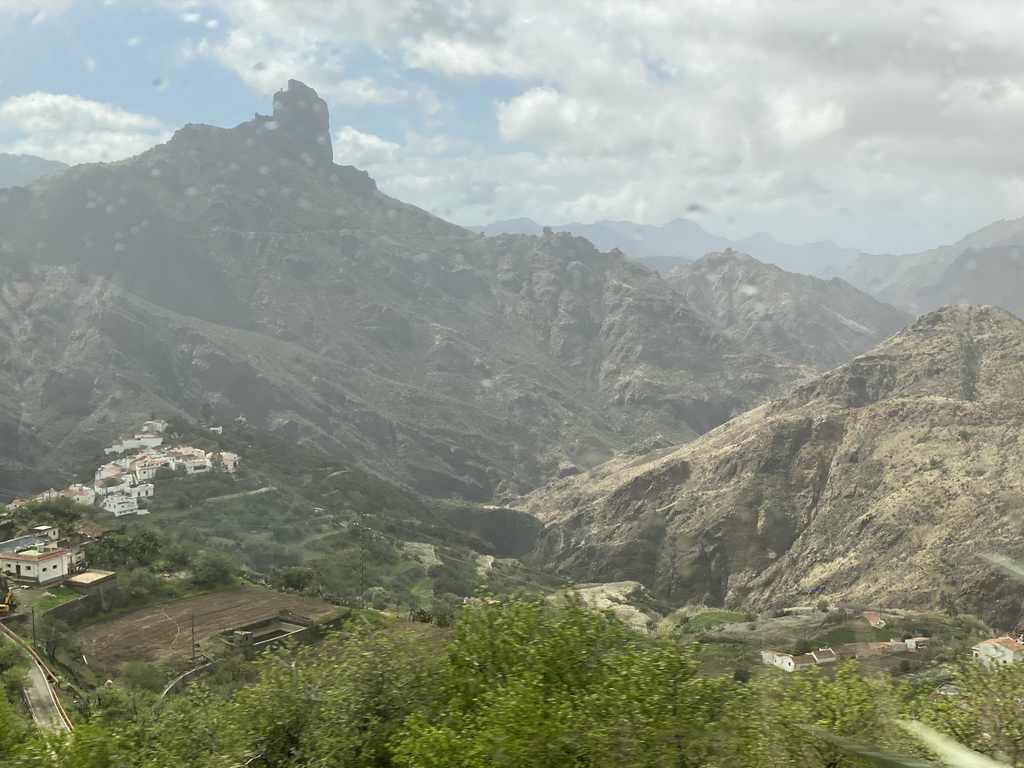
<point x="890" y="127"/>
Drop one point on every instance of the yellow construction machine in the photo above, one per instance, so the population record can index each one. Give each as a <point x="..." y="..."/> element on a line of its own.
<point x="8" y="602"/>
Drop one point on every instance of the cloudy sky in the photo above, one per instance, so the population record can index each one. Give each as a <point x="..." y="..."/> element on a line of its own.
<point x="891" y="127"/>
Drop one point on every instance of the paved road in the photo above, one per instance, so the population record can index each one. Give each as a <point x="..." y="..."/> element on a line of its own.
<point x="40" y="701"/>
<point x="39" y="697"/>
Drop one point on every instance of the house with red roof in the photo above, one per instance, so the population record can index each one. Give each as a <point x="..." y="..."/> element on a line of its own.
<point x="1000" y="650"/>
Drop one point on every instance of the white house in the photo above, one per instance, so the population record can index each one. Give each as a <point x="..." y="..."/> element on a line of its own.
<point x="36" y="557"/>
<point x="113" y="485"/>
<point x="788" y="661"/>
<point x="149" y="439"/>
<point x="1000" y="650"/>
<point x="228" y="460"/>
<point x="140" y="490"/>
<point x="917" y="643"/>
<point x="80" y="494"/>
<point x="120" y="504"/>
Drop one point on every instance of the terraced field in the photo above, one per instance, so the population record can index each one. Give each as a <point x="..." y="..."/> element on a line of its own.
<point x="163" y="633"/>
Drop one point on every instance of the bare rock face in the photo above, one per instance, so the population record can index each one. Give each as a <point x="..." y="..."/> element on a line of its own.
<point x="822" y="323"/>
<point x="881" y="482"/>
<point x="300" y="125"/>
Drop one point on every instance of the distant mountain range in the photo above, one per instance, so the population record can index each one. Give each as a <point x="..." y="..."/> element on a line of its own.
<point x="683" y="240"/>
<point x="19" y="170"/>
<point x="985" y="267"/>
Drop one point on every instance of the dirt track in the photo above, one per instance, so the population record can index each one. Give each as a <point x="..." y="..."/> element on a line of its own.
<point x="164" y="633"/>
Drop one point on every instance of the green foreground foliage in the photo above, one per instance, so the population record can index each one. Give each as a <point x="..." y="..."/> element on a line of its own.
<point x="525" y="684"/>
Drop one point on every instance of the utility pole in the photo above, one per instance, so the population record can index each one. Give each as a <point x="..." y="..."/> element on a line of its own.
<point x="193" y="638"/>
<point x="33" y="626"/>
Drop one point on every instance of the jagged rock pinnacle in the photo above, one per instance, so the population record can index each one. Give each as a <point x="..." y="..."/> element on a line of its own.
<point x="300" y="125"/>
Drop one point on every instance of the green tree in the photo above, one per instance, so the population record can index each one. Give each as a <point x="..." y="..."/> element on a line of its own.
<point x="210" y="569"/>
<point x="988" y="713"/>
<point x="54" y="636"/>
<point x="535" y="684"/>
<point x="144" y="676"/>
<point x="770" y="719"/>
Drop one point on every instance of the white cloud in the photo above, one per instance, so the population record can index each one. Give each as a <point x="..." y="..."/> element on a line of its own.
<point x="364" y="150"/>
<point x="74" y="130"/>
<point x="807" y="119"/>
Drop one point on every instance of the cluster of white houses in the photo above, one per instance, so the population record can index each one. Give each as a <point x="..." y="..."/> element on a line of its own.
<point x="119" y="485"/>
<point x="791" y="662"/>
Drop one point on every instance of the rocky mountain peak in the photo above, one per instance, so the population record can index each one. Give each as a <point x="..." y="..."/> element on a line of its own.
<point x="299" y="127"/>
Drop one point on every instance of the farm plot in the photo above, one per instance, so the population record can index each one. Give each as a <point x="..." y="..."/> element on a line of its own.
<point x="163" y="633"/>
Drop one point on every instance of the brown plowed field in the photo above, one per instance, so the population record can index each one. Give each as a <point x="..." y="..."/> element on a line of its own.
<point x="163" y="633"/>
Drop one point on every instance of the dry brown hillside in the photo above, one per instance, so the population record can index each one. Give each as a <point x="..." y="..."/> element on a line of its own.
<point x="880" y="481"/>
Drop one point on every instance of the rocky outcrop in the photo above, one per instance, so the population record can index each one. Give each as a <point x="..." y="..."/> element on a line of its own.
<point x="884" y="481"/>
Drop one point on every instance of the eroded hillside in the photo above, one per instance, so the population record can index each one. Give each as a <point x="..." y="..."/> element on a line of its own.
<point x="882" y="481"/>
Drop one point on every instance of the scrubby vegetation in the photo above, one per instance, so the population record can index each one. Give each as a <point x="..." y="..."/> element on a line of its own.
<point x="523" y="684"/>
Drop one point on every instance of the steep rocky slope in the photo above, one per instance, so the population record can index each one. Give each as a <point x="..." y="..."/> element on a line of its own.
<point x="882" y="481"/>
<point x="822" y="323"/>
<point x="244" y="268"/>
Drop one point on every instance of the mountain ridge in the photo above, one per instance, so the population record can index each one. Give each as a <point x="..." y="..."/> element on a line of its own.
<point x="453" y="363"/>
<point x="806" y="319"/>
<point x="682" y="240"/>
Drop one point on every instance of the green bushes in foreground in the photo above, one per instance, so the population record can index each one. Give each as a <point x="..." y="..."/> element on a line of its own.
<point x="525" y="684"/>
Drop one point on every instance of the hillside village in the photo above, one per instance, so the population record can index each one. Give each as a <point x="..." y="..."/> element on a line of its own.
<point x="122" y="485"/>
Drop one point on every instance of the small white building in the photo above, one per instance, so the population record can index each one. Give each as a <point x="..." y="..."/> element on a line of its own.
<point x="228" y="460"/>
<point x="917" y="643"/>
<point x="113" y="485"/>
<point x="120" y="504"/>
<point x="1000" y="650"/>
<point x="788" y="661"/>
<point x="80" y="494"/>
<point x="149" y="439"/>
<point x="36" y="558"/>
<point x="140" y="490"/>
<point x="155" y="425"/>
